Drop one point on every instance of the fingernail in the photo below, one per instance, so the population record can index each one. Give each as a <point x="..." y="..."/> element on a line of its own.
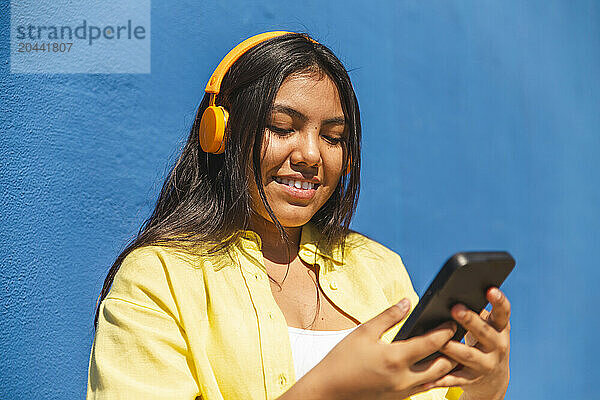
<point x="403" y="305"/>
<point x="461" y="312"/>
<point x="497" y="295"/>
<point x="450" y="325"/>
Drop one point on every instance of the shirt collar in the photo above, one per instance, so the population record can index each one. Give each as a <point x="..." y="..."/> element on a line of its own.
<point x="309" y="241"/>
<point x="310" y="250"/>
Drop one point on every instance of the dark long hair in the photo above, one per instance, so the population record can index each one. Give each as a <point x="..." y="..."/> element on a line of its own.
<point x="205" y="199"/>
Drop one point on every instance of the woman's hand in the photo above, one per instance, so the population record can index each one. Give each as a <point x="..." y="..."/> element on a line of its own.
<point x="362" y="366"/>
<point x="484" y="370"/>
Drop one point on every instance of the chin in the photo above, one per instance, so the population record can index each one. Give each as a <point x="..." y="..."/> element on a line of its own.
<point x="292" y="222"/>
<point x="289" y="219"/>
<point x="293" y="216"/>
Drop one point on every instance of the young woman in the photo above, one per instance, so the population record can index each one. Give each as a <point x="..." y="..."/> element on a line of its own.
<point x="246" y="283"/>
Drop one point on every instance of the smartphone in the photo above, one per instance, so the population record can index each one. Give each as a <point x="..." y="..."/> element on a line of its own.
<point x="465" y="278"/>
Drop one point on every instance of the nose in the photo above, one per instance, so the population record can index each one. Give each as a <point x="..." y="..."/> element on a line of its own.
<point x="306" y="149"/>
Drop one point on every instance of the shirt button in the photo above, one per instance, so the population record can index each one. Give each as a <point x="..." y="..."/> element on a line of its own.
<point x="282" y="379"/>
<point x="256" y="276"/>
<point x="207" y="264"/>
<point x="333" y="285"/>
<point x="270" y="315"/>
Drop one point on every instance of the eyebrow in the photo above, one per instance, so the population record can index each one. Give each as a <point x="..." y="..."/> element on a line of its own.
<point x="297" y="114"/>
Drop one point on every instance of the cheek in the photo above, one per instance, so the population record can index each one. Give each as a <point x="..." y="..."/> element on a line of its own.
<point x="334" y="165"/>
<point x="272" y="157"/>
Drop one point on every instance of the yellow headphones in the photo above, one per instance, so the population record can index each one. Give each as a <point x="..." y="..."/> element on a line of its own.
<point x="214" y="119"/>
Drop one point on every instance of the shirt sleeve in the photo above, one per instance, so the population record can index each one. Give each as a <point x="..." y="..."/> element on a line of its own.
<point x="140" y="350"/>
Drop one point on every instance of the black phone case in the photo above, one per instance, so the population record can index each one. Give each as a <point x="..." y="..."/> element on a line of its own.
<point x="464" y="279"/>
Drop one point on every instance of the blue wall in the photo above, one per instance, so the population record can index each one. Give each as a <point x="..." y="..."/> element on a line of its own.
<point x="481" y="131"/>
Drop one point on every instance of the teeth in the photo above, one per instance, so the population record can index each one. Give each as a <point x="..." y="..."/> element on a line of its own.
<point x="295" y="184"/>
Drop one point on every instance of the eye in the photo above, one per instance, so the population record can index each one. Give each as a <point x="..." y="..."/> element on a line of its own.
<point x="279" y="131"/>
<point x="333" y="140"/>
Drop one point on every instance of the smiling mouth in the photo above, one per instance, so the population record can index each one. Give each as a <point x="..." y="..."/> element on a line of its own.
<point x="302" y="185"/>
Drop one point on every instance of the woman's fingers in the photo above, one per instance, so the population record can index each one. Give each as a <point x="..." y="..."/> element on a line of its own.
<point x="484" y="367"/>
<point x="417" y="348"/>
<point x="429" y="371"/>
<point x="459" y="377"/>
<point x="470" y="340"/>
<point x="378" y="325"/>
<point x="500" y="315"/>
<point x="470" y="357"/>
<point x="484" y="333"/>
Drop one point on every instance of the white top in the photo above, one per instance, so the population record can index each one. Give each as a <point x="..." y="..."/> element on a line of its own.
<point x="310" y="347"/>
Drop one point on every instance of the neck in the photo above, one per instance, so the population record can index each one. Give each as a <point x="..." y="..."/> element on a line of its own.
<point x="273" y="245"/>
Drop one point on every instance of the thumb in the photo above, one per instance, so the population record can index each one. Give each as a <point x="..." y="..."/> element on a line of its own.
<point x="388" y="318"/>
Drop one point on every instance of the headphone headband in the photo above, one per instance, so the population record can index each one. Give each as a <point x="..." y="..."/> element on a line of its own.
<point x="214" y="120"/>
<point x="214" y="83"/>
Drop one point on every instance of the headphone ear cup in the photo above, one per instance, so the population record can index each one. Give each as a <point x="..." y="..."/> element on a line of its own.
<point x="212" y="129"/>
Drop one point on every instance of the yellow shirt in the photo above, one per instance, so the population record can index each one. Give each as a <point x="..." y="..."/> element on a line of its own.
<point x="181" y="326"/>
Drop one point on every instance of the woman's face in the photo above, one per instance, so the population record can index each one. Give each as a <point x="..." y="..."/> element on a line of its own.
<point x="302" y="150"/>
